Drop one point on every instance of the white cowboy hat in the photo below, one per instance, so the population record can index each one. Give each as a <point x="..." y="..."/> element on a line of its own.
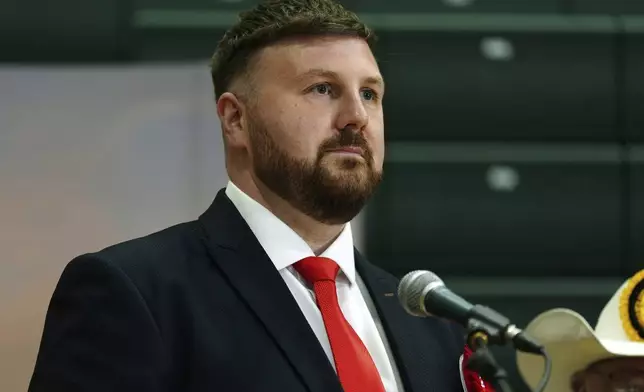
<point x="573" y="344"/>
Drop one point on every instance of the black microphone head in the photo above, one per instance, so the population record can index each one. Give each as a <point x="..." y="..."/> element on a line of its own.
<point x="412" y="290"/>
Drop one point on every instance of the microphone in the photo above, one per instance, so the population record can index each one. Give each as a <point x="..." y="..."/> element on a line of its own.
<point x="422" y="293"/>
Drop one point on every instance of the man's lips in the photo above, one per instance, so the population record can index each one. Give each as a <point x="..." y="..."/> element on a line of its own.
<point x="348" y="150"/>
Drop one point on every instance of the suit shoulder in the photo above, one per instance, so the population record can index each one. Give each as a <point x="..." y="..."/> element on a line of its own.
<point x="154" y="254"/>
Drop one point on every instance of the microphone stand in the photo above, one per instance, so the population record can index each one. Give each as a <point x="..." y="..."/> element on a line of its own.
<point x="479" y="336"/>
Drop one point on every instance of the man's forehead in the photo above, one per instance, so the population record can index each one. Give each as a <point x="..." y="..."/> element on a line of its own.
<point x="322" y="56"/>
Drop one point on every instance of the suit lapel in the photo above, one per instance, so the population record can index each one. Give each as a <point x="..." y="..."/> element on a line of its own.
<point x="241" y="258"/>
<point x="415" y="342"/>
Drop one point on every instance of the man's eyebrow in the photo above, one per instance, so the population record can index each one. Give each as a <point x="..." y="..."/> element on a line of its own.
<point x="325" y="73"/>
<point x="377" y="80"/>
<point x="318" y="72"/>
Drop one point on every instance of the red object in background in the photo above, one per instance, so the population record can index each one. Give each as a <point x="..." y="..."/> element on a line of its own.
<point x="472" y="382"/>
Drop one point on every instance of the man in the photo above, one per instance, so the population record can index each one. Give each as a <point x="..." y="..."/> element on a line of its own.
<point x="607" y="359"/>
<point x="264" y="292"/>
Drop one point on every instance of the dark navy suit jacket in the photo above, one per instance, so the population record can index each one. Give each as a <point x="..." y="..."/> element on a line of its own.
<point x="200" y="307"/>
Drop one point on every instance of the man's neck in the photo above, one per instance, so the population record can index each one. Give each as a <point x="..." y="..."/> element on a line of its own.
<point x="318" y="236"/>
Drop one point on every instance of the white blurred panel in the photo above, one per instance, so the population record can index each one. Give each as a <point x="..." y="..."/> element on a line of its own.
<point x="90" y="157"/>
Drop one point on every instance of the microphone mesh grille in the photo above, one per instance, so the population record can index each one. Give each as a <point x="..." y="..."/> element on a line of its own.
<point x="410" y="290"/>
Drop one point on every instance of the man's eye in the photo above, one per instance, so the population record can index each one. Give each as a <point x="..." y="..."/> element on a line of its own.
<point x="369" y="95"/>
<point x="322" y="89"/>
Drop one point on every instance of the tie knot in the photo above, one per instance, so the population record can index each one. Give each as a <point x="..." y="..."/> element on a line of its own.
<point x="315" y="269"/>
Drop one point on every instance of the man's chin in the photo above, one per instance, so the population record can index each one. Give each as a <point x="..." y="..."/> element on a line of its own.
<point x="349" y="168"/>
<point x="356" y="177"/>
<point x="350" y="187"/>
<point x="349" y="182"/>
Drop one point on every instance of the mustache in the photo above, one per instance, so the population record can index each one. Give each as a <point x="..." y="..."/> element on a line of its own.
<point x="346" y="139"/>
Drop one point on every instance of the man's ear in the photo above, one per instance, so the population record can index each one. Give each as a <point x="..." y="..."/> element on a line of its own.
<point x="231" y="112"/>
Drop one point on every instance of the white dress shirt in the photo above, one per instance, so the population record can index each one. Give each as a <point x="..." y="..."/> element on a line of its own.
<point x="285" y="247"/>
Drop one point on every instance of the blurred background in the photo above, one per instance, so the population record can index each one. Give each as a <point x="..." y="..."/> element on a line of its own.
<point x="515" y="166"/>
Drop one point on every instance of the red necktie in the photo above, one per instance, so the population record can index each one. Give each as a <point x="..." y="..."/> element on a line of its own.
<point x="354" y="365"/>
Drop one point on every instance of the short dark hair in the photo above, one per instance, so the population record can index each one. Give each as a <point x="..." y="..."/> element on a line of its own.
<point x="275" y="20"/>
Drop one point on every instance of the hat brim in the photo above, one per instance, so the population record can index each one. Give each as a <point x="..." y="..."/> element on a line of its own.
<point x="571" y="344"/>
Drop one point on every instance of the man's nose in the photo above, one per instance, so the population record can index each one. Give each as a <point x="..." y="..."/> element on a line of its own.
<point x="353" y="114"/>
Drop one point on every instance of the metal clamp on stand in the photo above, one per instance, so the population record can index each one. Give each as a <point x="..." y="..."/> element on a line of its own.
<point x="479" y="336"/>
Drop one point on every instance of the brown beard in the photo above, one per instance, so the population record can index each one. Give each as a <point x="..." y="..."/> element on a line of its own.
<point x="315" y="189"/>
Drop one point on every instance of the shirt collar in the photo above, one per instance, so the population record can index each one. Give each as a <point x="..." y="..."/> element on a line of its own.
<point x="283" y="245"/>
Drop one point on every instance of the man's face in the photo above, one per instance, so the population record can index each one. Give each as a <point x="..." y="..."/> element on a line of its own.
<point x="316" y="124"/>
<point x="622" y="374"/>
